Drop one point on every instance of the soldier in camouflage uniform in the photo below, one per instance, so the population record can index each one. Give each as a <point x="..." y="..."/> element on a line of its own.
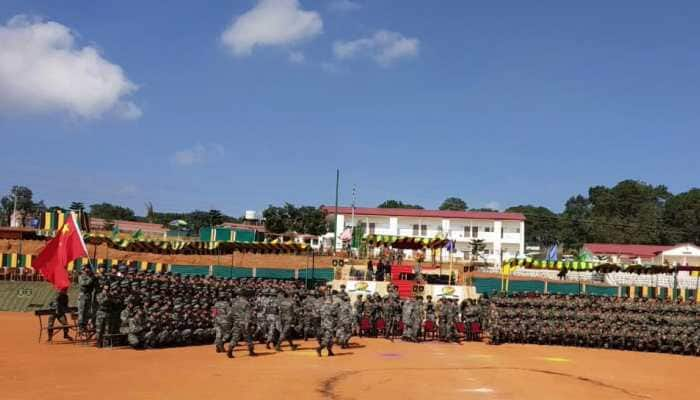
<point x="241" y="319"/>
<point x="288" y="317"/>
<point x="221" y="323"/>
<point x="407" y="315"/>
<point x="104" y="307"/>
<point x="329" y="320"/>
<point x="135" y="330"/>
<point x="86" y="283"/>
<point x="272" y="318"/>
<point x="345" y="321"/>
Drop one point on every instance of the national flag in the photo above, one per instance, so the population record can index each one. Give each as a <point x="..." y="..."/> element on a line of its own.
<point x="67" y="246"/>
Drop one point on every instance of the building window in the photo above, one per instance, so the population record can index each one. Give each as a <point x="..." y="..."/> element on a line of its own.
<point x="467" y="231"/>
<point x="487" y="229"/>
<point x="424" y="230"/>
<point x="517" y="230"/>
<point x="415" y="230"/>
<point x="475" y="231"/>
<point x="501" y="233"/>
<point x="371" y="228"/>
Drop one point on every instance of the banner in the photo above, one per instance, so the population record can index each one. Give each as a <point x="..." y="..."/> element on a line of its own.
<point x="361" y="287"/>
<point x="447" y="291"/>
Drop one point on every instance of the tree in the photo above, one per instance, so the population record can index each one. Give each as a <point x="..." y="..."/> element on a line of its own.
<point x="112" y="212"/>
<point x="21" y="198"/>
<point x="290" y="218"/>
<point x="398" y="204"/>
<point x="477" y="246"/>
<point x="215" y="218"/>
<point x="150" y="213"/>
<point x="453" y="204"/>
<point x="484" y="209"/>
<point x="77" y="206"/>
<point x="575" y="225"/>
<point x="541" y="224"/>
<point x="682" y="218"/>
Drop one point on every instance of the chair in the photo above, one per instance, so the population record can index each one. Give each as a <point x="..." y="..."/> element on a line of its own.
<point x="429" y="328"/>
<point x="380" y="327"/>
<point x="365" y="327"/>
<point x="461" y="329"/>
<point x="475" y="331"/>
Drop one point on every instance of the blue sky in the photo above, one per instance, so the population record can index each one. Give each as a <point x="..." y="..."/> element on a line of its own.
<point x="241" y="104"/>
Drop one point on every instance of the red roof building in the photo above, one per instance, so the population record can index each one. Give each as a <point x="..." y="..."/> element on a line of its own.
<point x="503" y="233"/>
<point x="644" y="253"/>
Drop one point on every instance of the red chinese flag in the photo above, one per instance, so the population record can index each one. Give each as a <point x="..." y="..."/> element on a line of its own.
<point x="67" y="246"/>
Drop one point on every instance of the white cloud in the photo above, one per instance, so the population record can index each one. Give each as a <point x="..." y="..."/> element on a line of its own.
<point x="342" y="6"/>
<point x="297" y="57"/>
<point x="384" y="47"/>
<point x="197" y="154"/>
<point x="42" y="70"/>
<point x="271" y="23"/>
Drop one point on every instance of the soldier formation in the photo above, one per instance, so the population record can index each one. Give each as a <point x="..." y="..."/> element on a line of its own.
<point x="640" y="324"/>
<point x="161" y="309"/>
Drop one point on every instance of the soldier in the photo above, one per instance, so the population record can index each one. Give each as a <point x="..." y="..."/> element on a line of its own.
<point x="329" y="318"/>
<point x="103" y="309"/>
<point x="442" y="319"/>
<point x="417" y="318"/>
<point x="86" y="282"/>
<point x="359" y="312"/>
<point x="345" y="322"/>
<point x="241" y="318"/>
<point x="59" y="306"/>
<point x="272" y="318"/>
<point x="135" y="332"/>
<point x="407" y="314"/>
<point x="451" y="316"/>
<point x="222" y="326"/>
<point x="288" y="315"/>
<point x="310" y="315"/>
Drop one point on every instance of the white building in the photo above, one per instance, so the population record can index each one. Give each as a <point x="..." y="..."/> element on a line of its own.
<point x="503" y="233"/>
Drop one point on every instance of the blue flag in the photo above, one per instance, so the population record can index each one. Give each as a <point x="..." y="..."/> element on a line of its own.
<point x="450" y="246"/>
<point x="552" y="253"/>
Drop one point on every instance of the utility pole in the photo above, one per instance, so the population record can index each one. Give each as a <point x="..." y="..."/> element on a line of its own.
<point x="354" y="195"/>
<point x="337" y="191"/>
<point x="13" y="217"/>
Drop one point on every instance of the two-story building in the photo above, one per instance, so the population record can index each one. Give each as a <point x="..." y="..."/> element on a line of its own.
<point x="503" y="233"/>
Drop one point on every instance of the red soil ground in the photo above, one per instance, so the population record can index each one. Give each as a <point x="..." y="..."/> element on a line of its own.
<point x="376" y="368"/>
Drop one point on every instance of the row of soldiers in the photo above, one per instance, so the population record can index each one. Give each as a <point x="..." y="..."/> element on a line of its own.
<point x="638" y="324"/>
<point x="412" y="316"/>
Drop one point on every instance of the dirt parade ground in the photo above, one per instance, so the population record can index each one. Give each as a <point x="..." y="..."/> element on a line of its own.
<point x="373" y="369"/>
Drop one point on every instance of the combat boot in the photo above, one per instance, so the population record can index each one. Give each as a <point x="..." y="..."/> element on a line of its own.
<point x="220" y="348"/>
<point x="330" y="353"/>
<point x="318" y="351"/>
<point x="229" y="353"/>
